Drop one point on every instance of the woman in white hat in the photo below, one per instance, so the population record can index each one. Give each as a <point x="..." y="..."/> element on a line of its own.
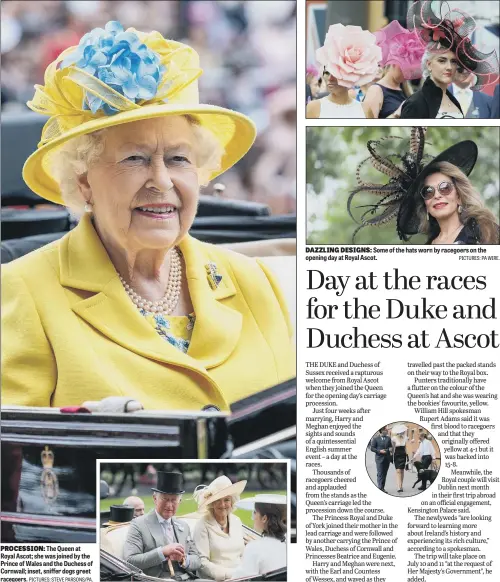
<point x="218" y="535"/>
<point x="269" y="519"/>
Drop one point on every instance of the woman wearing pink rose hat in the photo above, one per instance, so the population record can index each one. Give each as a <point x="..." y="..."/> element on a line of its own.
<point x="349" y="57"/>
<point x="401" y="56"/>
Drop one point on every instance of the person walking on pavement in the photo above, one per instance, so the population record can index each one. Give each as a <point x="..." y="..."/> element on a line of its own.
<point x="381" y="445"/>
<point x="427" y="454"/>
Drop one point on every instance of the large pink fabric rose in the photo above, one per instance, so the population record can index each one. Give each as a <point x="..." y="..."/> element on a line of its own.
<point x="350" y="54"/>
<point x="401" y="47"/>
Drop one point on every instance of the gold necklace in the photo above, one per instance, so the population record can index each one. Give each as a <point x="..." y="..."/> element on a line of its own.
<point x="168" y="302"/>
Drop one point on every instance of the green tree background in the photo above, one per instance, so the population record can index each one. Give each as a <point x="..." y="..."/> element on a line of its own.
<point x="333" y="154"/>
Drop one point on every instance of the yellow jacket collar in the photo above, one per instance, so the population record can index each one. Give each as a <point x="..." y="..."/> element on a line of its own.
<point x="85" y="264"/>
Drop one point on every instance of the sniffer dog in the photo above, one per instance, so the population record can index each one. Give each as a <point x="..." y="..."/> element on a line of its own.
<point x="424" y="476"/>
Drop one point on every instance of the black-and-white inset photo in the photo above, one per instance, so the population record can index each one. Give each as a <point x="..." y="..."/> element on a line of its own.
<point x="403" y="459"/>
<point x="185" y="520"/>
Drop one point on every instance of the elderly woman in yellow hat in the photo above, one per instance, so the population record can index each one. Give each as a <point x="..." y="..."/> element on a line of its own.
<point x="128" y="304"/>
<point x="218" y="535"/>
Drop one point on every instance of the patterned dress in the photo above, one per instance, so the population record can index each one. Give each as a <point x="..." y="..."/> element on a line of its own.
<point x="175" y="329"/>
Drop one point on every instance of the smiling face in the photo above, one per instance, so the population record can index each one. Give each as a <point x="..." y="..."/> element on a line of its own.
<point x="445" y="200"/>
<point x="443" y="67"/>
<point x="144" y="187"/>
<point x="222" y="508"/>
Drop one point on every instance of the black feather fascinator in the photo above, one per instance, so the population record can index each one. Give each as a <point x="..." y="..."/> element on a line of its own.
<point x="397" y="198"/>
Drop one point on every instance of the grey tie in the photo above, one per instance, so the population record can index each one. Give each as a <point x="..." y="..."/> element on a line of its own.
<point x="169" y="532"/>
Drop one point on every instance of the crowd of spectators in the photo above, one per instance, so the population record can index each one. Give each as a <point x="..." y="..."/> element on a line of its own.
<point x="247" y="50"/>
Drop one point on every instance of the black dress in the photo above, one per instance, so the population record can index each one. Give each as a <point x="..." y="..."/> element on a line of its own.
<point x="392" y="100"/>
<point x="400" y="457"/>
<point x="469" y="235"/>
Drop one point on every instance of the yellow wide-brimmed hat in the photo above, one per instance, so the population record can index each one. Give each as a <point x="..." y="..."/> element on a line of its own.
<point x="115" y="76"/>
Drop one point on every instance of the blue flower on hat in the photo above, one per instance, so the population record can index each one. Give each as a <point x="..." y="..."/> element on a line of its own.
<point x="120" y="60"/>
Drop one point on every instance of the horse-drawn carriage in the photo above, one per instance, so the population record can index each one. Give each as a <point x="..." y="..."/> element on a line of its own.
<point x="112" y="568"/>
<point x="49" y="456"/>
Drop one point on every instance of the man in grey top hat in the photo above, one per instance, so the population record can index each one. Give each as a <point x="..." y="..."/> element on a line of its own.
<point x="158" y="543"/>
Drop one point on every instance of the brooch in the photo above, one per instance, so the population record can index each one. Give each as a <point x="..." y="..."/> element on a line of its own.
<point x="214" y="278"/>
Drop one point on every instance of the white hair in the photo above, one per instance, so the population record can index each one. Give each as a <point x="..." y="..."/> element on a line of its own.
<point x="427" y="56"/>
<point x="75" y="156"/>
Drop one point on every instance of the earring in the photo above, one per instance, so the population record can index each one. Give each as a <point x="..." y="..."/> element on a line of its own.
<point x="460" y="209"/>
<point x="427" y="217"/>
<point x="88" y="208"/>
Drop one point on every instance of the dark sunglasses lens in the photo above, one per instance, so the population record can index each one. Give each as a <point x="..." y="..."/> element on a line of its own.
<point x="445" y="188"/>
<point x="427" y="192"/>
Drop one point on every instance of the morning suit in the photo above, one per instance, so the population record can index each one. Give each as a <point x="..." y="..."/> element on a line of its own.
<point x="382" y="460"/>
<point x="146" y="535"/>
<point x="71" y="333"/>
<point x="480" y="101"/>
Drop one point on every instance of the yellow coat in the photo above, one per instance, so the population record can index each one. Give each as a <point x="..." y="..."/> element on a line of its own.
<point x="70" y="332"/>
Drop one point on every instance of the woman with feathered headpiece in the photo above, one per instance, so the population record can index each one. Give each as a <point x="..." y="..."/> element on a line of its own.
<point x="432" y="196"/>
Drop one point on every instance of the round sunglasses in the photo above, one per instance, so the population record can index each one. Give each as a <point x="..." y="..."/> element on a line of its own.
<point x="444" y="188"/>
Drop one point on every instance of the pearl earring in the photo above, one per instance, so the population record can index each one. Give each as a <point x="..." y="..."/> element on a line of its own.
<point x="88" y="207"/>
<point x="460" y="209"/>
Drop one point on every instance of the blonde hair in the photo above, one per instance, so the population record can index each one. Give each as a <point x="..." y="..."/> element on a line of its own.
<point x="471" y="202"/>
<point x="399" y="439"/>
<point x="75" y="157"/>
<point x="406" y="86"/>
<point x="199" y="497"/>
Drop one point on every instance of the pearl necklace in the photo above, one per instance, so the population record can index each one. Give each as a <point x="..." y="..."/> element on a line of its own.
<point x="167" y="304"/>
<point x="350" y="104"/>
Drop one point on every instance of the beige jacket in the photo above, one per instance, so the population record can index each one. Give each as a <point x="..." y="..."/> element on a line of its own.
<point x="113" y="538"/>
<point x="220" y="552"/>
